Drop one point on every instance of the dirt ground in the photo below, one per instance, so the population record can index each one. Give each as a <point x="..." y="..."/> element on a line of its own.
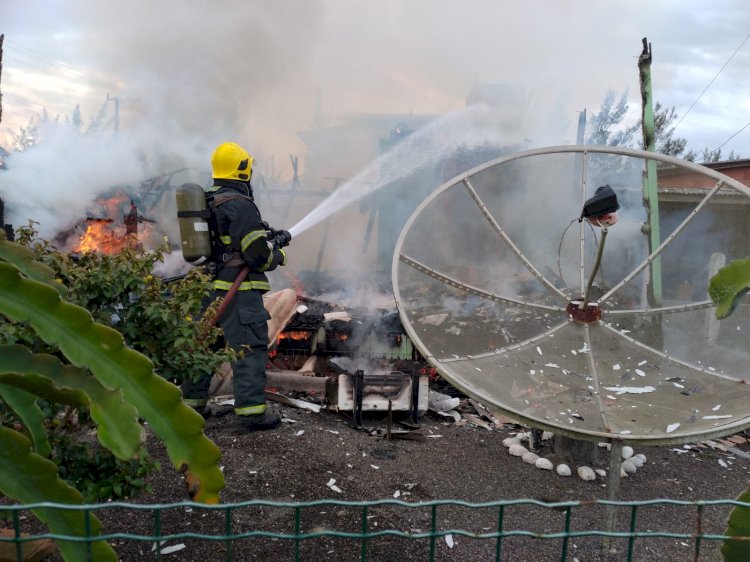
<point x="299" y="461"/>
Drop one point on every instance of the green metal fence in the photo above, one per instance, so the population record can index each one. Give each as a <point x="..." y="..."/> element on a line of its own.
<point x="692" y="524"/>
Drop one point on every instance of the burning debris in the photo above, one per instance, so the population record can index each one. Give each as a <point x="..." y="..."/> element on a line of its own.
<point x="113" y="231"/>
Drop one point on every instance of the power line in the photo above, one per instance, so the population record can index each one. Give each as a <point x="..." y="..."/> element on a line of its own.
<point x="44" y="60"/>
<point x="39" y="69"/>
<point x="712" y="81"/>
<point x="730" y="138"/>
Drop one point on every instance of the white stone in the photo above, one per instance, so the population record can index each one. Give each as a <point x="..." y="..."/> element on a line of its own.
<point x="642" y="457"/>
<point x="629" y="466"/>
<point x="623" y="474"/>
<point x="544" y="464"/>
<point x="563" y="470"/>
<point x="627" y="452"/>
<point x="586" y="473"/>
<point x="523" y="436"/>
<point x="517" y="450"/>
<point x="508" y="441"/>
<point x="530" y="458"/>
<point x="601" y="472"/>
<point x="637" y="461"/>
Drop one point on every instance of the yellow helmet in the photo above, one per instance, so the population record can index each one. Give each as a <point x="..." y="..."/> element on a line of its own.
<point x="231" y="162"/>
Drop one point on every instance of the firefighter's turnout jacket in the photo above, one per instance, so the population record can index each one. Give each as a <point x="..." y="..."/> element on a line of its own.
<point x="243" y="238"/>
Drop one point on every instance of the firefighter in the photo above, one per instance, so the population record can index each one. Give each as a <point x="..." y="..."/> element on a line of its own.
<point x="242" y="239"/>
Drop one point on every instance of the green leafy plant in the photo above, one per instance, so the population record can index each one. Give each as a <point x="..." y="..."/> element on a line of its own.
<point x="117" y="384"/>
<point x="96" y="473"/>
<point x="726" y="288"/>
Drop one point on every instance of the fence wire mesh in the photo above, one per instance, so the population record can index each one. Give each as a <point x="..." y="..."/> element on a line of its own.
<point x="227" y="525"/>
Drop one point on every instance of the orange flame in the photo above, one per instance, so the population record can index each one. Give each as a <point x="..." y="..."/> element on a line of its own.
<point x="294" y="335"/>
<point x="101" y="238"/>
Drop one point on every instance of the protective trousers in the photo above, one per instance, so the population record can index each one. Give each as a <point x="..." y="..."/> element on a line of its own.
<point x="245" y="326"/>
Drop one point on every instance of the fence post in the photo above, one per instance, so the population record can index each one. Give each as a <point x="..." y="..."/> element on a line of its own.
<point x="498" y="547"/>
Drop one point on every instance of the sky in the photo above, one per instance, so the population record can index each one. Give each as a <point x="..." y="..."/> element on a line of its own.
<point x="191" y="74"/>
<point x="264" y="70"/>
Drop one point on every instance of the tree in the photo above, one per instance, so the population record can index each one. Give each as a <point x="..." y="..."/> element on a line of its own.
<point x="666" y="142"/>
<point x="605" y="127"/>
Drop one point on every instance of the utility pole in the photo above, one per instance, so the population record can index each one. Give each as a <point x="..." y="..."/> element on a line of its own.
<point x="117" y="111"/>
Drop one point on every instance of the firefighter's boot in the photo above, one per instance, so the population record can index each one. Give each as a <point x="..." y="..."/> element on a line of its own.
<point x="259" y="422"/>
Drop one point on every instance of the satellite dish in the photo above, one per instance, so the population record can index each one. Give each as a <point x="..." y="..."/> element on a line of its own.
<point x="493" y="280"/>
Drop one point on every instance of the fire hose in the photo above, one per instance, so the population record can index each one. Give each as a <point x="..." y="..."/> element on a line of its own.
<point x="280" y="238"/>
<point x="230" y="294"/>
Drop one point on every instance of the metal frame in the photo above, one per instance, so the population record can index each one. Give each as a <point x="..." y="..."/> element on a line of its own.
<point x="464" y="180"/>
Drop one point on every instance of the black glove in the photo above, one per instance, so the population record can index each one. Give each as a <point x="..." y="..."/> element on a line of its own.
<point x="281" y="238"/>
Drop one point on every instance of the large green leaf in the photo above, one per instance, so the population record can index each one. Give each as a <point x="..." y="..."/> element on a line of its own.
<point x="102" y="350"/>
<point x="28" y="411"/>
<point x="30" y="478"/>
<point x="739" y="526"/>
<point x="727" y="287"/>
<point x="25" y="260"/>
<point x="46" y="376"/>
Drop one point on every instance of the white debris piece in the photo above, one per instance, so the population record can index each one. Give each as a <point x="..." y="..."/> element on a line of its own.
<point x="601" y="472"/>
<point x="342" y="315"/>
<point x="554" y="365"/>
<point x="171" y="549"/>
<point x="517" y="450"/>
<point x="642" y="363"/>
<point x="332" y="485"/>
<point x="439" y="402"/>
<point x="539" y="350"/>
<point x="630" y="389"/>
<point x="530" y="457"/>
<point x="302" y="309"/>
<point x="616" y="367"/>
<point x="376" y="467"/>
<point x="640" y="373"/>
<point x="508" y="441"/>
<point x="629" y="466"/>
<point x="715" y="408"/>
<point x="300" y="432"/>
<point x="722" y="463"/>
<point x="563" y="470"/>
<point x="434" y="319"/>
<point x="586" y="473"/>
<point x="717" y="417"/>
<point x="627" y="452"/>
<point x="544" y="464"/>
<point x="453" y="414"/>
<point x="449" y="540"/>
<point x="547" y="435"/>
<point x="672" y="426"/>
<point x="397" y="494"/>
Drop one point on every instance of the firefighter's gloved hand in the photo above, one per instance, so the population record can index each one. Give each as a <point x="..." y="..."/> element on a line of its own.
<point x="281" y="239"/>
